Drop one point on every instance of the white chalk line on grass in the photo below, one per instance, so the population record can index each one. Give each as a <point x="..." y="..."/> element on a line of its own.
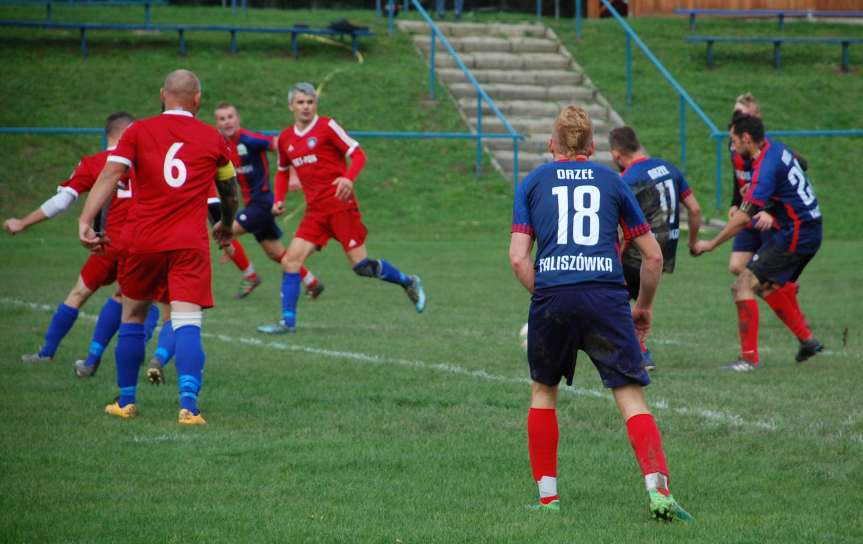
<point x="717" y="416"/>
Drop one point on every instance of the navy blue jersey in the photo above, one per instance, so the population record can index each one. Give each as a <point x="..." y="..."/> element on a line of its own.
<point x="778" y="178"/>
<point x="249" y="155"/>
<point x="573" y="209"/>
<point x="659" y="188"/>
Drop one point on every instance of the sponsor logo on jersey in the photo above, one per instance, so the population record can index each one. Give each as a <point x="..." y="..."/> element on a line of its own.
<point x="241" y="149"/>
<point x="308" y="159"/>
<point x="290" y="148"/>
<point x="312" y="142"/>
<point x="246" y="169"/>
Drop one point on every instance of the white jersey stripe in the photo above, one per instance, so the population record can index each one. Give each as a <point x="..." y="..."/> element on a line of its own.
<point x="340" y="132"/>
<point x="121" y="160"/>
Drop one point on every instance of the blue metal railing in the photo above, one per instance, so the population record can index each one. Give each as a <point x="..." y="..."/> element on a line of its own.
<point x="481" y="95"/>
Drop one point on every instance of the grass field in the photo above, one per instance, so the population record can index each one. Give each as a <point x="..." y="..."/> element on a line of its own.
<point x="374" y="424"/>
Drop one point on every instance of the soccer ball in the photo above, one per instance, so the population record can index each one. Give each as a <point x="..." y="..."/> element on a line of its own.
<point x="522" y="337"/>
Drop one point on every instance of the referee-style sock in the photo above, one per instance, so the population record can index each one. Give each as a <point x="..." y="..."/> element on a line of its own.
<point x="166" y="346"/>
<point x="63" y="319"/>
<point x="190" y="365"/>
<point x="784" y="304"/>
<point x="309" y="279"/>
<point x="130" y="351"/>
<point x="290" y="295"/>
<point x="106" y="326"/>
<point x="151" y="322"/>
<point x="542" y="439"/>
<point x="647" y="445"/>
<point x="747" y="327"/>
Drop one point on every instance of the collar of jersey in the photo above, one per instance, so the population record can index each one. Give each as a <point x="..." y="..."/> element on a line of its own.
<point x="112" y="148"/>
<point x="302" y="133"/>
<point x="634" y="162"/>
<point x="178" y="112"/>
<point x="577" y="158"/>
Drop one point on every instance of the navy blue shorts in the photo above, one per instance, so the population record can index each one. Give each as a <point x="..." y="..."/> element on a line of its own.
<point x="594" y="318"/>
<point x="259" y="221"/>
<point x="774" y="264"/>
<point x="750" y="240"/>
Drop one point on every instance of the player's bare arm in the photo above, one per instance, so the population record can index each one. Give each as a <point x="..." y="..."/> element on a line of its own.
<point x="102" y="190"/>
<point x="13" y="225"/>
<point x="736" y="224"/>
<point x="226" y="183"/>
<point x="651" y="273"/>
<point x="693" y="217"/>
<point x="520" y="246"/>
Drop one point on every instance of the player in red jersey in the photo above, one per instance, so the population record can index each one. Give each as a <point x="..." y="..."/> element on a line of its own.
<point x="176" y="159"/>
<point x="98" y="270"/>
<point x="314" y="148"/>
<point x="249" y="155"/>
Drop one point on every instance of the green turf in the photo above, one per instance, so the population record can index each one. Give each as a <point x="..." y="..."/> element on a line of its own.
<point x="373" y="424"/>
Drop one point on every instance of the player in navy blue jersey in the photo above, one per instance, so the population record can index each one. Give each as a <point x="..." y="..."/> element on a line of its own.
<point x="249" y="155"/>
<point x="777" y="179"/>
<point x="572" y="208"/>
<point x="660" y="189"/>
<point x="749" y="240"/>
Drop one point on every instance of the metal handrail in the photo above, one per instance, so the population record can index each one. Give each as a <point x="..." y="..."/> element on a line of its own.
<point x="481" y="95"/>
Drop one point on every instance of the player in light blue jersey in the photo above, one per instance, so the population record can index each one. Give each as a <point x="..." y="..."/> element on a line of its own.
<point x="572" y="209"/>
<point x="777" y="179"/>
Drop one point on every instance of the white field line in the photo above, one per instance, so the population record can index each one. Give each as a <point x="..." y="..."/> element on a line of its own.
<point x="717" y="416"/>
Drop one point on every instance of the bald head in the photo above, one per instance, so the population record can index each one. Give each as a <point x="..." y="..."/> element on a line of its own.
<point x="182" y="90"/>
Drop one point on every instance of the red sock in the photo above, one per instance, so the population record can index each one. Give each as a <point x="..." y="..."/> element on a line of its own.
<point x="647" y="444"/>
<point x="309" y="279"/>
<point x="643" y="345"/>
<point x="240" y="259"/>
<point x="542" y="438"/>
<point x="747" y="326"/>
<point x="783" y="302"/>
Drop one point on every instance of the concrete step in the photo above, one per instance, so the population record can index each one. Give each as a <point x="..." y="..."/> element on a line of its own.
<point x="506" y="61"/>
<point x="508" y="91"/>
<point x="533" y="126"/>
<point x="529" y="161"/>
<point x="537" y="143"/>
<point x="520" y="77"/>
<point x="530" y="108"/>
<point x="476" y="29"/>
<point x="474" y="44"/>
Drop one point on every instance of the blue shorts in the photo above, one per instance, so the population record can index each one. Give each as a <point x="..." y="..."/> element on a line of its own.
<point x="750" y="240"/>
<point x="592" y="317"/>
<point x="259" y="221"/>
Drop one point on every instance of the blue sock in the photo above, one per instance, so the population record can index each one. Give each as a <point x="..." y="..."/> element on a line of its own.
<point x="166" y="347"/>
<point x="131" y="348"/>
<point x="62" y="321"/>
<point x="190" y="365"/>
<point x="386" y="271"/>
<point x="106" y="326"/>
<point x="151" y="322"/>
<point x="290" y="294"/>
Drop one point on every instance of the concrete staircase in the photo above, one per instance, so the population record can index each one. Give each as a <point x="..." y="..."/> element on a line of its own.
<point x="530" y="76"/>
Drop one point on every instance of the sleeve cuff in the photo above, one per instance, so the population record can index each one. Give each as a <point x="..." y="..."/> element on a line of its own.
<point x="685" y="194"/>
<point x="121" y="160"/>
<point x="634" y="232"/>
<point x="523" y="229"/>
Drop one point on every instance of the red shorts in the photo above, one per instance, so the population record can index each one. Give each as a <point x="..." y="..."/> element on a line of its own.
<point x="345" y="226"/>
<point x="101" y="270"/>
<point x="181" y="275"/>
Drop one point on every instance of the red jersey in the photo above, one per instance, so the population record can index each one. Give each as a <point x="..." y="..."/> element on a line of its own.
<point x="175" y="158"/>
<point x="82" y="180"/>
<point x="318" y="155"/>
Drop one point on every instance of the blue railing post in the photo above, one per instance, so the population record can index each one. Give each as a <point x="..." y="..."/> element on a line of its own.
<point x="719" y="140"/>
<point x="378" y="11"/>
<point x="515" y="165"/>
<point x="48" y="12"/>
<point x="432" y="75"/>
<point x="406" y="6"/>
<point x="478" y="132"/>
<point x="147" y="17"/>
<point x="577" y="19"/>
<point x="538" y="10"/>
<point x="391" y="23"/>
<point x="682" y="134"/>
<point x="628" y="70"/>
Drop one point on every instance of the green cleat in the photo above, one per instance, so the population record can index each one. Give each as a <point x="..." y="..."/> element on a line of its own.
<point x="553" y="506"/>
<point x="665" y="508"/>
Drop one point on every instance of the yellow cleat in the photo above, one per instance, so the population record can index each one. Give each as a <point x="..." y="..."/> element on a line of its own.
<point x="186" y="417"/>
<point x="126" y="412"/>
